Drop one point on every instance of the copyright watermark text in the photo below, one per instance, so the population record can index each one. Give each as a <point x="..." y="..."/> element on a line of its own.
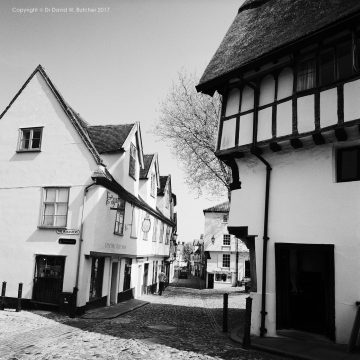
<point x="58" y="10"/>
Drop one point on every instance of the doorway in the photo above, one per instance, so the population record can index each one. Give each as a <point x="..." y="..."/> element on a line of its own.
<point x="114" y="281"/>
<point x="145" y="278"/>
<point x="305" y="291"/>
<point x="48" y="279"/>
<point x="210" y="281"/>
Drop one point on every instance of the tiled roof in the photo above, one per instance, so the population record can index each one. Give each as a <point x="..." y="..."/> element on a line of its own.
<point x="147" y="162"/>
<point x="223" y="207"/>
<point x="264" y="26"/>
<point x="109" y="138"/>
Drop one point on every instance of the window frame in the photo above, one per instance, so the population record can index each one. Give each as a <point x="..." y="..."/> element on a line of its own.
<point x="31" y="139"/>
<point x="118" y="225"/>
<point x="56" y="204"/>
<point x="227" y="239"/>
<point x="339" y="162"/>
<point x="153" y="185"/>
<point x="132" y="161"/>
<point x="226" y="258"/>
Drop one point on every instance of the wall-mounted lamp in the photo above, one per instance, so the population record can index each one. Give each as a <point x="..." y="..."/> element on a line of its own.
<point x="213" y="240"/>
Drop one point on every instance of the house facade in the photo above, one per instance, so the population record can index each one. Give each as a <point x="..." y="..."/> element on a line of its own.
<point x="79" y="204"/>
<point x="227" y="257"/>
<point x="289" y="129"/>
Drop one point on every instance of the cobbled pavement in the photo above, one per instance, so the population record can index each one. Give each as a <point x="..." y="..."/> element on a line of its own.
<point x="184" y="323"/>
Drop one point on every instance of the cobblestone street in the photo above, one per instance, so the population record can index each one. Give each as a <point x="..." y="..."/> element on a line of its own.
<point x="184" y="323"/>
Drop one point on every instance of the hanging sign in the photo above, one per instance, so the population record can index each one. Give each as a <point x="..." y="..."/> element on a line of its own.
<point x="68" y="232"/>
<point x="67" y="241"/>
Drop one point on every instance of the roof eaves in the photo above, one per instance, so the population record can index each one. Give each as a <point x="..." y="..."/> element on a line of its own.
<point x="211" y="85"/>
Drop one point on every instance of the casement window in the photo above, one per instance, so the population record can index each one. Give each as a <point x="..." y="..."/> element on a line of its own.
<point x="154" y="239"/>
<point x="167" y="239"/>
<point x="30" y="139"/>
<point x="226" y="239"/>
<point x="226" y="261"/>
<point x="55" y="207"/>
<point x="167" y="198"/>
<point x="161" y="237"/>
<point x="153" y="185"/>
<point x="119" y="219"/>
<point x="306" y="74"/>
<point x="132" y="163"/>
<point x="348" y="164"/>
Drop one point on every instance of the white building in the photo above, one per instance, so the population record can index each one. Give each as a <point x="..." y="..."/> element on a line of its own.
<point x="75" y="212"/>
<point x="289" y="76"/>
<point x="227" y="257"/>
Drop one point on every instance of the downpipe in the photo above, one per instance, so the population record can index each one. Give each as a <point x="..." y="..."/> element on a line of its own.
<point x="263" y="312"/>
<point x="76" y="288"/>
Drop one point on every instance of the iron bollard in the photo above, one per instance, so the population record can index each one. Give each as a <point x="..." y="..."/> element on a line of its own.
<point x="72" y="305"/>
<point x="225" y="313"/>
<point x="3" y="291"/>
<point x="18" y="307"/>
<point x="247" y="325"/>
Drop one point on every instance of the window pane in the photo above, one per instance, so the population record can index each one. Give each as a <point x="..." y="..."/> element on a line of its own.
<point x="25" y="141"/>
<point x="349" y="164"/>
<point x="60" y="221"/>
<point x="306" y="74"/>
<point x="327" y="68"/>
<point x="344" y="59"/>
<point x="61" y="209"/>
<point x="50" y="195"/>
<point x="63" y="195"/>
<point x="267" y="90"/>
<point x="37" y="134"/>
<point x="49" y="209"/>
<point x="48" y="220"/>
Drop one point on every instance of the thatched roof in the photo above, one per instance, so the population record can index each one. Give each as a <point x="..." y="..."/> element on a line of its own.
<point x="220" y="208"/>
<point x="109" y="138"/>
<point x="147" y="162"/>
<point x="263" y="27"/>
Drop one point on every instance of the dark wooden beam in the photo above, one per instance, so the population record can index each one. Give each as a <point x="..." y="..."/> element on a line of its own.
<point x="274" y="146"/>
<point x="341" y="134"/>
<point x="296" y="143"/>
<point x="318" y="138"/>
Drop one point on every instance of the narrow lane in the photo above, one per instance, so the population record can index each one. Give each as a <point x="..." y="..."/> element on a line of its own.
<point x="183" y="323"/>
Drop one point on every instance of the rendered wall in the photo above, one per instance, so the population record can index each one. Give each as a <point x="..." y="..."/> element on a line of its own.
<point x="307" y="206"/>
<point x="22" y="177"/>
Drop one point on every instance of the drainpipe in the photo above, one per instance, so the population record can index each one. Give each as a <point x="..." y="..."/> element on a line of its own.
<point x="76" y="288"/>
<point x="265" y="241"/>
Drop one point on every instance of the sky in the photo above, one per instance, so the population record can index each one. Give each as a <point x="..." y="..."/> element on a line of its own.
<point x="115" y="63"/>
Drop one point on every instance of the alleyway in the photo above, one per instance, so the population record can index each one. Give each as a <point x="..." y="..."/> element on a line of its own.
<point x="184" y="323"/>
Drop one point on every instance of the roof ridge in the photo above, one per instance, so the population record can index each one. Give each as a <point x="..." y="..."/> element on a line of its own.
<point x="106" y="125"/>
<point x="251" y="4"/>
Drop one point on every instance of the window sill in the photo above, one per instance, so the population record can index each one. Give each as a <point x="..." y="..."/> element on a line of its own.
<point x="48" y="227"/>
<point x="28" y="151"/>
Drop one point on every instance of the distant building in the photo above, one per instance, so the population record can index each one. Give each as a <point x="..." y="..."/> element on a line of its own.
<point x="227" y="257"/>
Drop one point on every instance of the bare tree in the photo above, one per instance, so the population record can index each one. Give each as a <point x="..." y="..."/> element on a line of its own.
<point x="188" y="123"/>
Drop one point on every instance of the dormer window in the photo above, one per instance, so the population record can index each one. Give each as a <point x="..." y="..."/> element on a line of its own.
<point x="30" y="139"/>
<point x="132" y="164"/>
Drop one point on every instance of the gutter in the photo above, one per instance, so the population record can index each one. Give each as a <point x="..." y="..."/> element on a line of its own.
<point x="263" y="312"/>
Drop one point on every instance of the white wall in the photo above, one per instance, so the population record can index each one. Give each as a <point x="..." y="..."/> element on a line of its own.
<point x="306" y="206"/>
<point x="22" y="177"/>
